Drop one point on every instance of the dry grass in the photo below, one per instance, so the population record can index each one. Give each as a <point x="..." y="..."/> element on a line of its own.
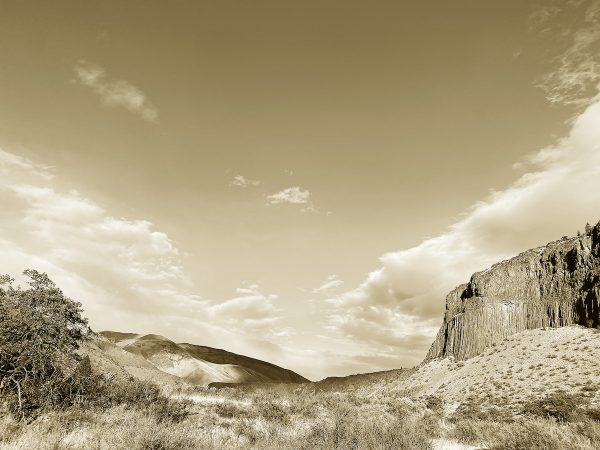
<point x="508" y="398"/>
<point x="529" y="433"/>
<point x="294" y="419"/>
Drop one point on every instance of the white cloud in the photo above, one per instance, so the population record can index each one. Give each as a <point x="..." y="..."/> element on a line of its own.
<point x="125" y="272"/>
<point x="243" y="182"/>
<point x="115" y="92"/>
<point x="293" y="195"/>
<point x="575" y="79"/>
<point x="400" y="305"/>
<point x="540" y="16"/>
<point x="405" y="297"/>
<point x="10" y="160"/>
<point x="250" y="306"/>
<point x="330" y="285"/>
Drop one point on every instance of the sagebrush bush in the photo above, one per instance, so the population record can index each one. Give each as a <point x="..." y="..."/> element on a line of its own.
<point x="528" y="433"/>
<point x="145" y="396"/>
<point x="561" y="406"/>
<point x="540" y="434"/>
<point x="349" y="433"/>
<point x="272" y="409"/>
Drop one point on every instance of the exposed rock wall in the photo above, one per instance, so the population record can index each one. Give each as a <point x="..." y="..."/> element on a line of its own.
<point x="551" y="286"/>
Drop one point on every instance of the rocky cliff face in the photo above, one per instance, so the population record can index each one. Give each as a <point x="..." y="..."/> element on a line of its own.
<point x="551" y="286"/>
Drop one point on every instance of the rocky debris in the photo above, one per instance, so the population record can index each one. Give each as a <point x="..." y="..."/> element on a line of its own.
<point x="551" y="286"/>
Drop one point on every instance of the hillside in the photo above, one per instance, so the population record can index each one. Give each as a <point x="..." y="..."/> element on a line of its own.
<point x="530" y="363"/>
<point x="357" y="381"/>
<point x="525" y="328"/>
<point x="155" y="357"/>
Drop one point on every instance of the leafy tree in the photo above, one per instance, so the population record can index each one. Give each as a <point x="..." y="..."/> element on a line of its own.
<point x="40" y="331"/>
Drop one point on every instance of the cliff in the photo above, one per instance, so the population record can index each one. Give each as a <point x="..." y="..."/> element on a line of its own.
<point x="551" y="286"/>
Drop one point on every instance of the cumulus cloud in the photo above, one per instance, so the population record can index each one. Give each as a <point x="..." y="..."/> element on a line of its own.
<point x="293" y="195"/>
<point x="243" y="182"/>
<point x="115" y="92"/>
<point x="124" y="271"/>
<point x="399" y="307"/>
<point x="405" y="297"/>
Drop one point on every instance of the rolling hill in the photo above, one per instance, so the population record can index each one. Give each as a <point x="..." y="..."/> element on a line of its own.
<point x="154" y="357"/>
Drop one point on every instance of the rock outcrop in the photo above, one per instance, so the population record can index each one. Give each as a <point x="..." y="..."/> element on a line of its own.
<point x="551" y="286"/>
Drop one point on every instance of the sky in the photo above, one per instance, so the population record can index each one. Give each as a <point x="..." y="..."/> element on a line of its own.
<point x="301" y="182"/>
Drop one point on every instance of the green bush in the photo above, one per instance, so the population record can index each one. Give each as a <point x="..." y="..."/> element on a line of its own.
<point x="435" y="404"/>
<point x="561" y="406"/>
<point x="40" y="329"/>
<point x="272" y="408"/>
<point x="146" y="396"/>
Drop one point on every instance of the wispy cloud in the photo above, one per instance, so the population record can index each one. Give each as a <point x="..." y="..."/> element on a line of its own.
<point x="243" y="182"/>
<point x="577" y="70"/>
<point x="293" y="195"/>
<point x="541" y="15"/>
<point x="10" y="160"/>
<point x="115" y="92"/>
<point x="330" y="285"/>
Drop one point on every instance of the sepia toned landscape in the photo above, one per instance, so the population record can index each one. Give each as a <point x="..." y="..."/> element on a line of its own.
<point x="300" y="225"/>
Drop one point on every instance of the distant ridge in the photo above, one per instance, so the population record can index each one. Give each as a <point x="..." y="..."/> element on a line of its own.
<point x="195" y="364"/>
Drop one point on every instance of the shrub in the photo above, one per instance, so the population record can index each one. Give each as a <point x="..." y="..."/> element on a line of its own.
<point x="435" y="404"/>
<point x="230" y="410"/>
<point x="40" y="329"/>
<point x="593" y="414"/>
<point x="146" y="396"/>
<point x="272" y="409"/>
<point x="348" y="432"/>
<point x="560" y="405"/>
<point x="539" y="434"/>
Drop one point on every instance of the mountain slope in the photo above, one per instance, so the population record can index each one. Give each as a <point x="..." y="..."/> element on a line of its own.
<point x="551" y="286"/>
<point x="264" y="369"/>
<point x="110" y="360"/>
<point x="196" y="364"/>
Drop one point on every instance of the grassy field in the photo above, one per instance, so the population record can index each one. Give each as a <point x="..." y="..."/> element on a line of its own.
<point x="296" y="417"/>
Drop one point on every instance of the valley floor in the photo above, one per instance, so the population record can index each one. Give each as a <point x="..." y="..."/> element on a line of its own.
<point x="536" y="390"/>
<point x="299" y="418"/>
